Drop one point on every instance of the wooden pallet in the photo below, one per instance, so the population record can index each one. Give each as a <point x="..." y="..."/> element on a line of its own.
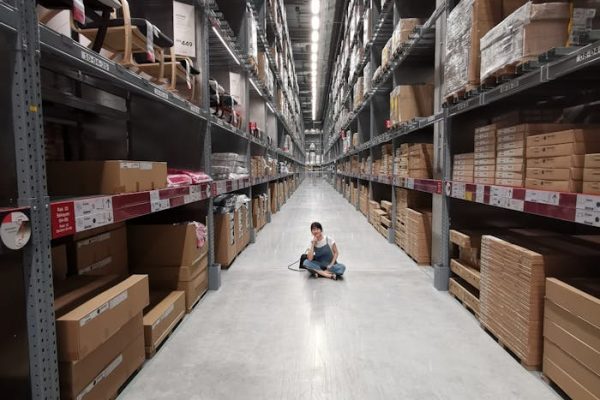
<point x="460" y="94"/>
<point x="509" y="351"/>
<point x="465" y="305"/>
<point x="151" y="350"/>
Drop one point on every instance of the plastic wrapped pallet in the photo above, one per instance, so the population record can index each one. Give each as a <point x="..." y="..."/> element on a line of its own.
<point x="585" y="16"/>
<point x="528" y="32"/>
<point x="411" y="101"/>
<point x="402" y="32"/>
<point x="467" y="23"/>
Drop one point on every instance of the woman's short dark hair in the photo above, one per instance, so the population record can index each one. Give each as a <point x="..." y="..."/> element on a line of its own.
<point x="316" y="225"/>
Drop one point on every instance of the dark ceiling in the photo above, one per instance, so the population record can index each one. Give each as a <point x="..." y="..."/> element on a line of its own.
<point x="299" y="24"/>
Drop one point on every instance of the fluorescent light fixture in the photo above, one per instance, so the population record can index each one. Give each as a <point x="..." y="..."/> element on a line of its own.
<point x="255" y="87"/>
<point x="315" y="22"/>
<point x="314" y="37"/>
<point x="314" y="6"/>
<point x="314" y="50"/>
<point x="313" y="58"/>
<point x="226" y="46"/>
<point x="271" y="108"/>
<point x="313" y="66"/>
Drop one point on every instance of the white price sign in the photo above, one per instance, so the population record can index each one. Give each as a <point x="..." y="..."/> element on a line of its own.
<point x="543" y="197"/>
<point x="588" y="202"/>
<point x="458" y="190"/>
<point x="480" y="194"/>
<point x="184" y="29"/>
<point x="586" y="217"/>
<point x="499" y="191"/>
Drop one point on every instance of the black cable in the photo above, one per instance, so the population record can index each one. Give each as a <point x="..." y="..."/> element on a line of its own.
<point x="289" y="266"/>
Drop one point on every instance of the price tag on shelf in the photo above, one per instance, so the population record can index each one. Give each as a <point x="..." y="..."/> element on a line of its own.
<point x="588" y="202"/>
<point x="458" y="190"/>
<point x="93" y="212"/>
<point x="480" y="194"/>
<point x="514" y="204"/>
<point x="160" y="205"/>
<point x="543" y="197"/>
<point x="586" y="217"/>
<point x="499" y="191"/>
<point x="409" y="183"/>
<point x="499" y="201"/>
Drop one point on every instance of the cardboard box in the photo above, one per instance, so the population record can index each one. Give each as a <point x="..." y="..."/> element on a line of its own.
<point x="591" y="188"/>
<point x="85" y="378"/>
<point x="566" y="149"/>
<point x="586" y="333"/>
<point x="567" y="136"/>
<point x="225" y="246"/>
<point x="510" y="168"/>
<point x="166" y="309"/>
<point x="60" y="265"/>
<point x="167" y="277"/>
<point x="558" y="186"/>
<point x="575" y="161"/>
<point x="104" y="254"/>
<point x="83" y="329"/>
<point x="576" y="371"/>
<point x="592" y="160"/>
<point x="104" y="177"/>
<point x="194" y="289"/>
<point x="556" y="174"/>
<point x="166" y="245"/>
<point x="568" y="294"/>
<point x="591" y="174"/>
<point x="76" y="290"/>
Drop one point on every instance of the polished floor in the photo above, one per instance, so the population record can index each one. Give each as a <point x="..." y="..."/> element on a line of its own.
<point x="383" y="332"/>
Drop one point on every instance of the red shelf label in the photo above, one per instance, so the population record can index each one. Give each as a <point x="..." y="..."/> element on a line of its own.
<point x="62" y="219"/>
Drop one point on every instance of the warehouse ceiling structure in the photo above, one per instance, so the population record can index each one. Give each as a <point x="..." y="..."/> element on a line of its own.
<point x="314" y="54"/>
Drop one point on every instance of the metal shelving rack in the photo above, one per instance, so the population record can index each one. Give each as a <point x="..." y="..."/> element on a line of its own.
<point x="558" y="77"/>
<point x="33" y="51"/>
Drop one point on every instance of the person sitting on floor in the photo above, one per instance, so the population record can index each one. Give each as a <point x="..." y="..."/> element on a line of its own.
<point x="322" y="255"/>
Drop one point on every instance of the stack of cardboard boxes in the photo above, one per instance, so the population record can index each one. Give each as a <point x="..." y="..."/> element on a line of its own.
<point x="572" y="336"/>
<point x="420" y="160"/>
<point x="514" y="268"/>
<point x="573" y="144"/>
<point x="485" y="155"/>
<point x="463" y="167"/>
<point x="358" y="92"/>
<point x="387" y="160"/>
<point x="421" y="230"/>
<point x="169" y="254"/>
<point x="355" y="166"/>
<point x="591" y="174"/>
<point x="401" y="161"/>
<point x="418" y="226"/>
<point x="100" y="251"/>
<point x="101" y="341"/>
<point x="260" y="207"/>
<point x="385" y="220"/>
<point x="364" y="199"/>
<point x="402" y="32"/>
<point x="465" y="283"/>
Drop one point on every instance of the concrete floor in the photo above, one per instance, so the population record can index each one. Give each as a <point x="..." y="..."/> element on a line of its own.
<point x="383" y="332"/>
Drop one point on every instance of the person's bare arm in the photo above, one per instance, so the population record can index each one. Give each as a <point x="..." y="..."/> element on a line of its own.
<point x="334" y="249"/>
<point x="310" y="254"/>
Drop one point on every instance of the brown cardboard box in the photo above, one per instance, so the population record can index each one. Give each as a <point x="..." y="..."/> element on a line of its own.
<point x="580" y="351"/>
<point x="582" y="303"/>
<point x="591" y="187"/>
<point x="566" y="382"/>
<point x="577" y="372"/>
<point x="591" y="174"/>
<point x="585" y="332"/>
<point x="104" y="177"/>
<point x="566" y="136"/>
<point x="168" y="276"/>
<point x="592" y="160"/>
<point x="225" y="247"/>
<point x="559" y="186"/>
<point x="510" y="160"/>
<point x="79" y="378"/>
<point x="194" y="289"/>
<point x="104" y="254"/>
<point x="566" y="149"/>
<point x="485" y="161"/>
<point x="164" y="245"/>
<point x="575" y="161"/>
<point x="76" y="290"/>
<point x="517" y="176"/>
<point x="83" y="329"/>
<point x="510" y="168"/>
<point x="556" y="174"/>
<point x="509" y="182"/>
<point x="60" y="265"/>
<point x="166" y="309"/>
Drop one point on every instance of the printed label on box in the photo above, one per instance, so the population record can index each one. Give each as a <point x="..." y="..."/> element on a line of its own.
<point x="164" y="315"/>
<point x="92" y="240"/>
<point x="97" y="265"/>
<point x="130" y="165"/>
<point x="93" y="314"/>
<point x="146" y="166"/>
<point x="118" y="300"/>
<point x="101" y="376"/>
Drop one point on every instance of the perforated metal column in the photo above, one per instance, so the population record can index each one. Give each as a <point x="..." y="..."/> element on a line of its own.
<point x="31" y="173"/>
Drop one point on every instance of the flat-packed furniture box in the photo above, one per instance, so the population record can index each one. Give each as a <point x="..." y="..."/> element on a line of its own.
<point x="591" y="174"/>
<point x="463" y="167"/>
<point x="163" y="313"/>
<point x="511" y="151"/>
<point x="420" y="160"/>
<point x="566" y="143"/>
<point x="225" y="246"/>
<point x="528" y="32"/>
<point x="242" y="228"/>
<point x="76" y="290"/>
<point x="83" y="329"/>
<point x="102" y="251"/>
<point x="484" y="170"/>
<point x="572" y="336"/>
<point x="514" y="269"/>
<point x="101" y="373"/>
<point x="408" y="102"/>
<point x="467" y="23"/>
<point x="88" y="178"/>
<point x="418" y="225"/>
<point x="169" y="254"/>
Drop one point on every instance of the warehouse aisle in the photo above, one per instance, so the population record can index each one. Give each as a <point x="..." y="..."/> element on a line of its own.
<point x="381" y="333"/>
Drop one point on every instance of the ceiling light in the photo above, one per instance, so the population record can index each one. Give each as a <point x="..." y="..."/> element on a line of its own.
<point x="315" y="22"/>
<point x="255" y="87"/>
<point x="314" y="49"/>
<point x="314" y="6"/>
<point x="314" y="36"/>
<point x="226" y="46"/>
